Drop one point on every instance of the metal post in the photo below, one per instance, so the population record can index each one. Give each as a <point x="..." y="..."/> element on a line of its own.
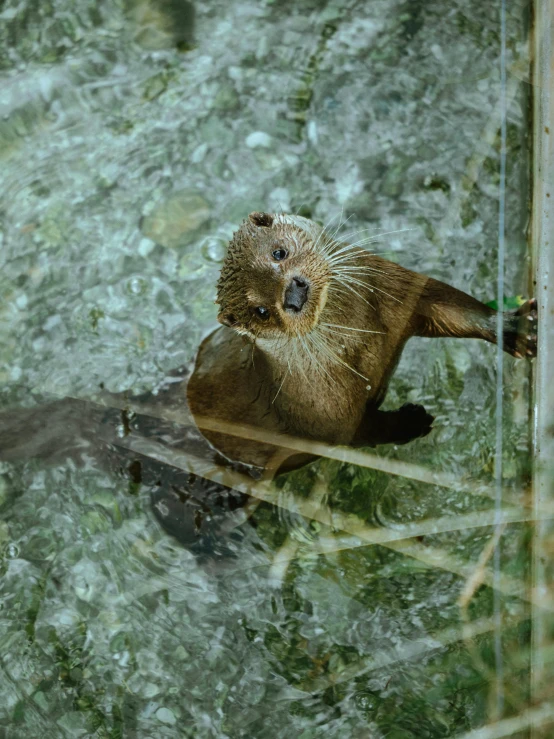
<point x="542" y="233"/>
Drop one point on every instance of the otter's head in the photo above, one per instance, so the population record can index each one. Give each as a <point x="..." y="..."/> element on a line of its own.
<point x="273" y="283"/>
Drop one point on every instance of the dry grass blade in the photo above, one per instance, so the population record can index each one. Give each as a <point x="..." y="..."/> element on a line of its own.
<point x="441" y="559"/>
<point x="285" y="555"/>
<point x="282" y="560"/>
<point x="401" y="541"/>
<point x="396" y="467"/>
<point x="474" y="582"/>
<point x="402" y="653"/>
<point x="345" y="454"/>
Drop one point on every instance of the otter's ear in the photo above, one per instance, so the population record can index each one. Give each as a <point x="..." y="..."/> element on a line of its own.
<point x="227" y="319"/>
<point x="261" y="219"/>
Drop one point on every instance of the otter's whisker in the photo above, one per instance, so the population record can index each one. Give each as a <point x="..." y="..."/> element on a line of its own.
<point x="300" y="363"/>
<point x="356" y="274"/>
<point x="346" y="292"/>
<point x="330" y="236"/>
<point x="252" y="354"/>
<point x="334" y="234"/>
<point x="333" y="331"/>
<point x="353" y="261"/>
<point x="344" y="265"/>
<point x="352" y="328"/>
<point x="367" y="285"/>
<point x="355" y="233"/>
<point x="376" y="237"/>
<point x="323" y="232"/>
<point x="329" y="239"/>
<point x="346" y="258"/>
<point x="342" y="242"/>
<point x="280" y="387"/>
<point x="320" y="342"/>
<point x="352" y="290"/>
<point x="313" y="357"/>
<point x="354" y="281"/>
<point x="327" y="251"/>
<point x="342" y="248"/>
<point x="385" y="251"/>
<point x="348" y="252"/>
<point x="319" y="352"/>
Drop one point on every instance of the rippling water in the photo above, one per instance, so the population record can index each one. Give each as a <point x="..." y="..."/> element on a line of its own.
<point x="134" y="138"/>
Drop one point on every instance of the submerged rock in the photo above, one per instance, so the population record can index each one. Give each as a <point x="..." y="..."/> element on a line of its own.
<point x="175" y="221"/>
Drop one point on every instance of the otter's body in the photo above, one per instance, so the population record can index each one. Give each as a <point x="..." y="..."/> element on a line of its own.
<point x="313" y="330"/>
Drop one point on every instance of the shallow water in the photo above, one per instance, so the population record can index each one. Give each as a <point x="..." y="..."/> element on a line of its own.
<point x="134" y="138"/>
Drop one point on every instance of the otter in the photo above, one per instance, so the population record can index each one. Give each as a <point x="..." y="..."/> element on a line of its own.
<point x="312" y="330"/>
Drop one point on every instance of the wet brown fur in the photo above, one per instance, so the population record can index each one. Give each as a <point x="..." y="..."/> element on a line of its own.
<point x="296" y="373"/>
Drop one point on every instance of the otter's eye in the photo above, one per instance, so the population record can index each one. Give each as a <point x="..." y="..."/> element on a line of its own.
<point x="279" y="254"/>
<point x="262" y="312"/>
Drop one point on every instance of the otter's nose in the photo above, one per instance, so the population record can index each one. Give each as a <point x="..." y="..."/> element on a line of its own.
<point x="296" y="295"/>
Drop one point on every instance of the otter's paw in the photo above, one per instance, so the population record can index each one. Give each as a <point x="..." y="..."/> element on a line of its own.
<point x="520" y="334"/>
<point x="415" y="422"/>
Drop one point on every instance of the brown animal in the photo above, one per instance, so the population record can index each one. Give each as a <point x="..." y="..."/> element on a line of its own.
<point x="313" y="329"/>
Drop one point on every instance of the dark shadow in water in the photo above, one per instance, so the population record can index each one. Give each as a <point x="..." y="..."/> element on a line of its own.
<point x="204" y="516"/>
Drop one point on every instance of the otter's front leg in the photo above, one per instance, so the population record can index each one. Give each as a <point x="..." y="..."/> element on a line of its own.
<point x="392" y="427"/>
<point x="443" y="310"/>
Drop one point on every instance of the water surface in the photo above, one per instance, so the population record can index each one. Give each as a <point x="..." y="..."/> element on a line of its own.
<point x="134" y="138"/>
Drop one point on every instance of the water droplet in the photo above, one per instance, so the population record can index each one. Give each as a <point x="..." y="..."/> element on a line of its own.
<point x="213" y="249"/>
<point x="12" y="551"/>
<point x="136" y="285"/>
<point x="368" y="387"/>
<point x="366" y="701"/>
